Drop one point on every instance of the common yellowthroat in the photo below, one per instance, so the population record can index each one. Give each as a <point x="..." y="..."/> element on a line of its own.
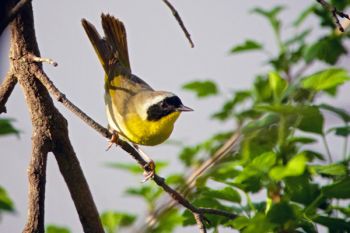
<point x="134" y="110"/>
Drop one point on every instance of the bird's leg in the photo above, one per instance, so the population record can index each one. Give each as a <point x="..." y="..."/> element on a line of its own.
<point x="149" y="172"/>
<point x="113" y="140"/>
<point x="149" y="168"/>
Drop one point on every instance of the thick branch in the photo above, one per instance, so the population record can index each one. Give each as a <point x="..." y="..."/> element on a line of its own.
<point x="12" y="13"/>
<point x="50" y="133"/>
<point x="6" y="89"/>
<point x="37" y="180"/>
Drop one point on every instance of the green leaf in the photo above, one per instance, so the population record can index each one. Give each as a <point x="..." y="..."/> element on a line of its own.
<point x="248" y="45"/>
<point x="271" y="16"/>
<point x="227" y="194"/>
<point x="300" y="189"/>
<point x="112" y="220"/>
<point x="264" y="121"/>
<point x="202" y="88"/>
<point x="278" y="85"/>
<point x="223" y="171"/>
<point x="175" y="179"/>
<point x="311" y="155"/>
<point x="333" y="224"/>
<point x="133" y="168"/>
<point x="7" y="128"/>
<point x="342" y="113"/>
<point x="281" y="213"/>
<point x="149" y="193"/>
<point x="264" y="161"/>
<point x="262" y="91"/>
<point x="302" y="140"/>
<point x="187" y="154"/>
<point x="56" y="229"/>
<point x="254" y="172"/>
<point x="327" y="49"/>
<point x="326" y="79"/>
<point x="6" y="203"/>
<point x="295" y="167"/>
<point x="311" y="119"/>
<point x="340" y="189"/>
<point x="168" y="221"/>
<point x="341" y="131"/>
<point x="259" y="224"/>
<point x="238" y="223"/>
<point x="331" y="169"/>
<point x="229" y="106"/>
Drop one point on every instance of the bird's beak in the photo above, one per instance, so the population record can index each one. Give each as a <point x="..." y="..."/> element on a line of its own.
<point x="183" y="108"/>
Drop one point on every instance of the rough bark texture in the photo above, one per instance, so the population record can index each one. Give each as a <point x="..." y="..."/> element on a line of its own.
<point x="50" y="133"/>
<point x="6" y="89"/>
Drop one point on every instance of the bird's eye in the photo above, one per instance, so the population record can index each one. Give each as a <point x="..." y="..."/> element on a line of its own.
<point x="164" y="104"/>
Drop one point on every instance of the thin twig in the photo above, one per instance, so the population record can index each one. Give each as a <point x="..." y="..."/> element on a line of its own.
<point x="6" y="89"/>
<point x="12" y="14"/>
<point x="60" y="97"/>
<point x="324" y="139"/>
<point x="200" y="223"/>
<point x="34" y="58"/>
<point x="335" y="13"/>
<point x="179" y="20"/>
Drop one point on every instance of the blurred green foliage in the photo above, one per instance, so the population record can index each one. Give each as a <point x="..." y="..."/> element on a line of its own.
<point x="56" y="229"/>
<point x="6" y="204"/>
<point x="276" y="181"/>
<point x="7" y="128"/>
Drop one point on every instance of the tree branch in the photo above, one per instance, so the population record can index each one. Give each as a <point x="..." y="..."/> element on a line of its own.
<point x="12" y="13"/>
<point x="179" y="20"/>
<point x="37" y="181"/>
<point x="335" y="13"/>
<point x="50" y="133"/>
<point x="6" y="89"/>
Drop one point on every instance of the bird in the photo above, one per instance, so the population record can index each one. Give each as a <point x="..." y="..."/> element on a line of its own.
<point x="135" y="111"/>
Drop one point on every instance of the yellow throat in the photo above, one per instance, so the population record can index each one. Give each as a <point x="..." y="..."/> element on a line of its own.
<point x="145" y="132"/>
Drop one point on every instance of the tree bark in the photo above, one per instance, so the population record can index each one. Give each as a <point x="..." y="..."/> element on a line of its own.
<point x="50" y="133"/>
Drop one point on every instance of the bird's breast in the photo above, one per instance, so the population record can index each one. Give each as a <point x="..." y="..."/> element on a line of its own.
<point x="149" y="133"/>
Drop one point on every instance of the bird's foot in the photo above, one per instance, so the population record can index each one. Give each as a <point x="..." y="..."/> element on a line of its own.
<point x="113" y="140"/>
<point x="149" y="171"/>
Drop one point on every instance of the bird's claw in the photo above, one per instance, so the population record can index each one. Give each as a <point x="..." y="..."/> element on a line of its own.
<point x="149" y="171"/>
<point x="113" y="140"/>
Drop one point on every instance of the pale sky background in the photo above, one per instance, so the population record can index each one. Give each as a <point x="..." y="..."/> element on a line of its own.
<point x="159" y="54"/>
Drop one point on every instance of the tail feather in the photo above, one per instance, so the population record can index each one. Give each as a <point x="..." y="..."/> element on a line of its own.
<point x="113" y="47"/>
<point x="100" y="46"/>
<point x="116" y="37"/>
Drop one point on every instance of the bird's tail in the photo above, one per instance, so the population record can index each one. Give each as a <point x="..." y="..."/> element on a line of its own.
<point x="112" y="48"/>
